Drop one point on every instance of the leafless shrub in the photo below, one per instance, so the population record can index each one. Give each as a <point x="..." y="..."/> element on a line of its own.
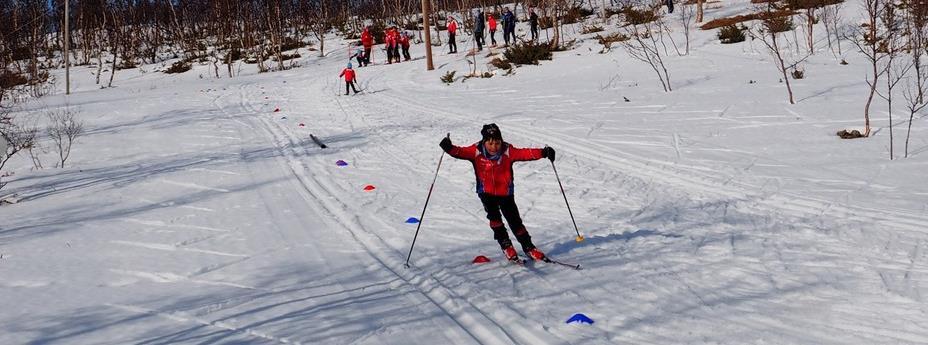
<point x="527" y="53"/>
<point x="893" y="43"/>
<point x="609" y="40"/>
<point x="867" y="39"/>
<point x="501" y="63"/>
<point x="916" y="26"/>
<point x="14" y="137"/>
<point x="646" y="44"/>
<point x="178" y="67"/>
<point x="64" y="128"/>
<point x="591" y="29"/>
<point x="832" y="20"/>
<point x="767" y="31"/>
<point x="720" y="22"/>
<point x="638" y="16"/>
<point x="686" y="22"/>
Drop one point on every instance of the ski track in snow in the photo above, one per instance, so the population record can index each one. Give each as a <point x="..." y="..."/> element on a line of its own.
<point x="474" y="321"/>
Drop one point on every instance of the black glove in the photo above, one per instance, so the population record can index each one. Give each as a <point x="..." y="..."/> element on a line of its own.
<point x="547" y="152"/>
<point x="445" y="144"/>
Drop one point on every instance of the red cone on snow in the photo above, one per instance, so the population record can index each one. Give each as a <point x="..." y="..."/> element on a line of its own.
<point x="480" y="259"/>
<point x="369" y="188"/>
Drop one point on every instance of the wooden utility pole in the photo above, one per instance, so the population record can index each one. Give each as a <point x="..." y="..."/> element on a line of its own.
<point x="67" y="51"/>
<point x="428" y="34"/>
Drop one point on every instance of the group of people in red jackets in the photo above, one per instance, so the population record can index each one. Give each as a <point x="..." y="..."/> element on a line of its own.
<point x="393" y="39"/>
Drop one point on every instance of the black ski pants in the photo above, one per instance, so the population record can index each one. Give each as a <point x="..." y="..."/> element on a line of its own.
<point x="349" y="85"/>
<point x="452" y="44"/>
<point x="498" y="207"/>
<point x="478" y="38"/>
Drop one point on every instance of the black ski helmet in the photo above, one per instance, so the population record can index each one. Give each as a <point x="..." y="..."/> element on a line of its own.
<point x="491" y="131"/>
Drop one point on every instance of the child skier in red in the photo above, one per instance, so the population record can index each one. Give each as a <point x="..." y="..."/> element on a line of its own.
<point x="492" y="159"/>
<point x="348" y="73"/>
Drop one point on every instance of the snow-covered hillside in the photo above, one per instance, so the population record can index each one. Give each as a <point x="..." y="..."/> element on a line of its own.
<point x="199" y="211"/>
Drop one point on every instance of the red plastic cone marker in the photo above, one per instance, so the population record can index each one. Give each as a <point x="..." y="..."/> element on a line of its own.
<point x="480" y="259"/>
<point x="369" y="188"/>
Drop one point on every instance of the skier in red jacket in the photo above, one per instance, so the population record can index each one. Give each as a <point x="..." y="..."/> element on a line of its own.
<point x="452" y="29"/>
<point x="404" y="42"/>
<point x="492" y="159"/>
<point x="491" y="24"/>
<point x="348" y="73"/>
<point x="367" y="40"/>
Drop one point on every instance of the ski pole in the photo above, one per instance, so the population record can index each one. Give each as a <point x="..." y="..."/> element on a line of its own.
<point x="426" y="206"/>
<point x="579" y="237"/>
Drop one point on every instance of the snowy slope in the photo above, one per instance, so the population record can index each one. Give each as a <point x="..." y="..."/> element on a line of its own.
<point x="193" y="213"/>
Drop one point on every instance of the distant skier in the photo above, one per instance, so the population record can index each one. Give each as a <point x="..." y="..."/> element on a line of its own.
<point x="509" y="26"/>
<point x="479" y="26"/>
<point x="396" y="43"/>
<point x="491" y="24"/>
<point x="367" y="40"/>
<point x="533" y="23"/>
<point x="452" y="29"/>
<point x="404" y="42"/>
<point x="390" y="39"/>
<point x="492" y="159"/>
<point x="349" y="75"/>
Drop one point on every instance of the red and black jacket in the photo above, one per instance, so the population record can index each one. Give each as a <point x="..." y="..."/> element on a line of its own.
<point x="366" y="39"/>
<point x="494" y="174"/>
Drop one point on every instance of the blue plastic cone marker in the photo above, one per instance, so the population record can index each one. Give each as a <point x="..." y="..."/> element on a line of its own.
<point x="580" y="318"/>
<point x="412" y="220"/>
<point x="341" y="163"/>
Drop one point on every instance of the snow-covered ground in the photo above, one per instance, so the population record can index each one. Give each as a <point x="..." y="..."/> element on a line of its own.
<point x="193" y="213"/>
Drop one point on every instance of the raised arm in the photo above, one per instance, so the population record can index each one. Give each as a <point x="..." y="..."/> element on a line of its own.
<point x="530" y="154"/>
<point x="459" y="152"/>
